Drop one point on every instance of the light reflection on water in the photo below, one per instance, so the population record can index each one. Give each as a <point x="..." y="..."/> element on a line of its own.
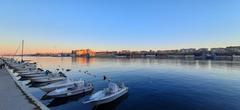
<point x="168" y="84"/>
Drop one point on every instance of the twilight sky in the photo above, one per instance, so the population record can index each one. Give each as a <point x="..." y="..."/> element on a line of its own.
<point x="63" y="25"/>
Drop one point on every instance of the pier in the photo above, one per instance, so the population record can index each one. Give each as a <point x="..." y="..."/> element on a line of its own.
<point x="12" y="98"/>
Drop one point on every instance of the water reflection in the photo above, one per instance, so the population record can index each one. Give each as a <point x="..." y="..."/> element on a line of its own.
<point x="66" y="62"/>
<point x="169" y="84"/>
<point x="225" y="64"/>
<point x="61" y="101"/>
<point x="82" y="60"/>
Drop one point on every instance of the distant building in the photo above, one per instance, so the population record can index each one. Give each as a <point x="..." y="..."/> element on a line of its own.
<point x="218" y="51"/>
<point x="124" y="52"/>
<point x="159" y="52"/>
<point x="143" y="52"/>
<point x="83" y="53"/>
<point x="106" y="54"/>
<point x="234" y="49"/>
<point x="202" y="50"/>
<point x="202" y="53"/>
<point x="188" y="51"/>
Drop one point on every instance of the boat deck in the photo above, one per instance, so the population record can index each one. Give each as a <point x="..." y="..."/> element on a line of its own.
<point x="11" y="97"/>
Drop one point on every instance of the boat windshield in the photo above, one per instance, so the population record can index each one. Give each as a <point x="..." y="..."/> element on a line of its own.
<point x="113" y="87"/>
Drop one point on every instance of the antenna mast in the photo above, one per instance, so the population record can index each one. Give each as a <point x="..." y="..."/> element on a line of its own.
<point x="22" y="49"/>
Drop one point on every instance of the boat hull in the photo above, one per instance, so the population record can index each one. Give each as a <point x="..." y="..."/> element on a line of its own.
<point x="49" y="89"/>
<point x="32" y="75"/>
<point x="53" y="94"/>
<point x="46" y="80"/>
<point x="110" y="99"/>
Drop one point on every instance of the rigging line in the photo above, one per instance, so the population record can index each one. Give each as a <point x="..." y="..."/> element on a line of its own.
<point x="17" y="49"/>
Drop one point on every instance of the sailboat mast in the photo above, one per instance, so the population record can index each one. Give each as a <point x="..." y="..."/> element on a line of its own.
<point x="22" y="49"/>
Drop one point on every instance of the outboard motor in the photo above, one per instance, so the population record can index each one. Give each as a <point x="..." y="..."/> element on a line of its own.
<point x="62" y="74"/>
<point x="68" y="70"/>
<point x="47" y="72"/>
<point x="40" y="69"/>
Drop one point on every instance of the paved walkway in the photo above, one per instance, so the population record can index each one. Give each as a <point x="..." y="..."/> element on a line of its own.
<point x="11" y="98"/>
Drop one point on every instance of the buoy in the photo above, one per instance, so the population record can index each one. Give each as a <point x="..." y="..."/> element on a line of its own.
<point x="104" y="77"/>
<point x="68" y="69"/>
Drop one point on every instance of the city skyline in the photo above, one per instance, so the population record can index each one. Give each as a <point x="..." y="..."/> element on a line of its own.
<point x="54" y="52"/>
<point x="48" y="26"/>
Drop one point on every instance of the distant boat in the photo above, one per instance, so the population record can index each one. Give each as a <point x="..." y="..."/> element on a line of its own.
<point x="107" y="95"/>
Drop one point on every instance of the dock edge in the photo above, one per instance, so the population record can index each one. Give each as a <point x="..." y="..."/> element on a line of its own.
<point x="28" y="94"/>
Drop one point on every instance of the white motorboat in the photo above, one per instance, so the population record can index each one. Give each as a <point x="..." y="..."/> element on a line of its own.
<point x="22" y="66"/>
<point x="107" y="95"/>
<point x="50" y="78"/>
<point x="35" y="74"/>
<point x="31" y="75"/>
<point x="47" y="79"/>
<point x="61" y="84"/>
<point x="26" y="71"/>
<point x="30" y="71"/>
<point x="78" y="88"/>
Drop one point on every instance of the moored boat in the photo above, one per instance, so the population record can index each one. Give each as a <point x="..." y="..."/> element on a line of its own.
<point x="70" y="91"/>
<point x="34" y="74"/>
<point x="50" y="78"/>
<point x="61" y="84"/>
<point x="30" y="71"/>
<point x="107" y="95"/>
<point x="47" y="79"/>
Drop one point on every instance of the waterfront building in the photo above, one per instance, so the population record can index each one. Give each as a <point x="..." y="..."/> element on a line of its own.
<point x="124" y="52"/>
<point x="218" y="51"/>
<point x="187" y="51"/>
<point x="202" y="50"/>
<point x="137" y="54"/>
<point x="106" y="54"/>
<point x="202" y="53"/>
<point x="83" y="53"/>
<point x="228" y="53"/>
<point x="164" y="52"/>
<point x="234" y="49"/>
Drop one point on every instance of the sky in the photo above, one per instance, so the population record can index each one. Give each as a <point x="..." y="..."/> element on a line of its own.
<point x="64" y="25"/>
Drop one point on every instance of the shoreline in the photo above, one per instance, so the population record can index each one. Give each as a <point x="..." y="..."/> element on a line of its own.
<point x="180" y="57"/>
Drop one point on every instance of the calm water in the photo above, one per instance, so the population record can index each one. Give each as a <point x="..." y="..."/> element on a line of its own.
<point x="154" y="84"/>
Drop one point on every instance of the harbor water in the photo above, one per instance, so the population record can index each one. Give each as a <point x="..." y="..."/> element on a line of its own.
<point x="154" y="84"/>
